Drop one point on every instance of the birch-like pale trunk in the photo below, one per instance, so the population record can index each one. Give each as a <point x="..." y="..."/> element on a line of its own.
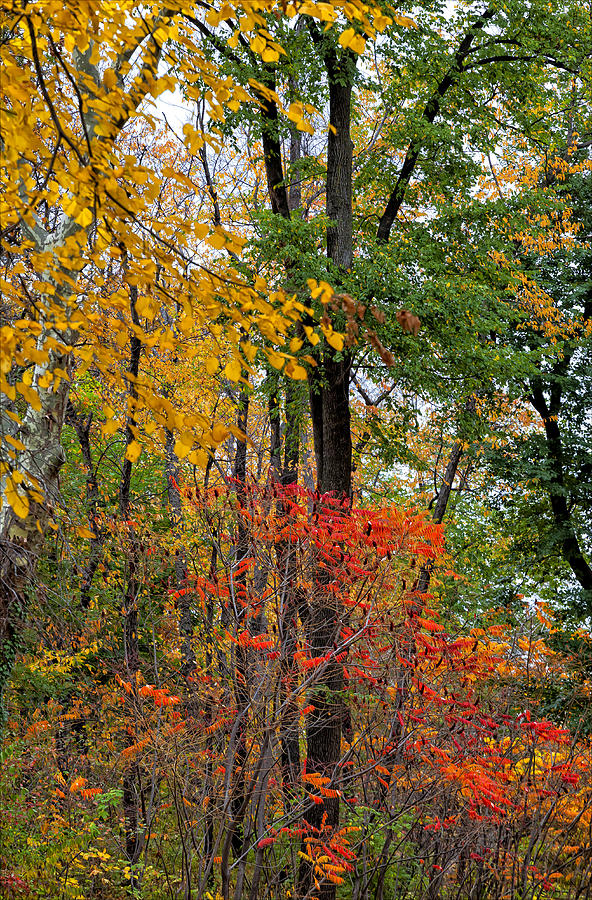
<point x="22" y="539"/>
<point x="39" y="463"/>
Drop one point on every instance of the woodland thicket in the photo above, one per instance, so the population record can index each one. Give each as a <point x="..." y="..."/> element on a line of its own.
<point x="295" y="533"/>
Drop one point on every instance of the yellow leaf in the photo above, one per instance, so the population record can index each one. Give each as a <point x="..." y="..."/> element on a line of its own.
<point x="212" y="365"/>
<point x="321" y="290"/>
<point x="85" y="532"/>
<point x="110" y="427"/>
<point x="303" y="125"/>
<point x="311" y="335"/>
<point x="194" y="140"/>
<point x="217" y="240"/>
<point x="84" y="217"/>
<point x="295" y="112"/>
<point x="30" y="395"/>
<point x="219" y="432"/>
<point x="144" y="307"/>
<point x="181" y="450"/>
<point x="276" y="360"/>
<point x="249" y="350"/>
<point x="18" y="445"/>
<point x="335" y="340"/>
<point x="233" y="370"/>
<point x="258" y="45"/>
<point x="133" y="452"/>
<point x="18" y="502"/>
<point x="7" y="389"/>
<point x="198" y="458"/>
<point x="358" y="44"/>
<point x="109" y="79"/>
<point x="45" y="380"/>
<point x="270" y="55"/>
<point x="405" y="21"/>
<point x="160" y="35"/>
<point x="298" y="373"/>
<point x="380" y="21"/>
<point x="346" y="37"/>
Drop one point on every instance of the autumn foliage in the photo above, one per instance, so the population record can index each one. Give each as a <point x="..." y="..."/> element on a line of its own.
<point x="295" y="431"/>
<point x="445" y="781"/>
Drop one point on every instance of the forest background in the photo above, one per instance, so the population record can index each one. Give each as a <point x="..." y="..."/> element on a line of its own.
<point x="295" y="588"/>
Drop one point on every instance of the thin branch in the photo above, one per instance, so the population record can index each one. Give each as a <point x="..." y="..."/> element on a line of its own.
<point x="430" y="111"/>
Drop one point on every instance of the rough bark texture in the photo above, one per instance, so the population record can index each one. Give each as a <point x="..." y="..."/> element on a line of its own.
<point x="330" y="388"/>
<point x="340" y="162"/>
<point x="21" y="540"/>
<point x="330" y="412"/>
<point x="291" y="601"/>
<point x="329" y="404"/>
<point x="272" y="150"/>
<point x="132" y="778"/>
<point x="570" y="546"/>
<point x="292" y="605"/>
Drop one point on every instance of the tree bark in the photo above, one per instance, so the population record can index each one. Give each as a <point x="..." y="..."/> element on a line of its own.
<point x="132" y="779"/>
<point x="21" y="539"/>
<point x="97" y="542"/>
<point x="241" y="677"/>
<point x="292" y="605"/>
<point x="291" y="602"/>
<point x="570" y="545"/>
<point x="330" y="411"/>
<point x="443" y="496"/>
<point x="184" y="602"/>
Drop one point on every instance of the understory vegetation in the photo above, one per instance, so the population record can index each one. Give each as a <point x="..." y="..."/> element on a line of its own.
<point x="295" y="420"/>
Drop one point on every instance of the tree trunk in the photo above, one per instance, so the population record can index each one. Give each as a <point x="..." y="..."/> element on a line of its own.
<point x="570" y="546"/>
<point x="97" y="542"/>
<point x="186" y="622"/>
<point x="443" y="496"/>
<point x="292" y="605"/>
<point x="330" y="412"/>
<point x="241" y="677"/>
<point x="132" y="779"/>
<point x="22" y="538"/>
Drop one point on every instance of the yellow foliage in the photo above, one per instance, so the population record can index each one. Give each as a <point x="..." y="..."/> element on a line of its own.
<point x="114" y="265"/>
